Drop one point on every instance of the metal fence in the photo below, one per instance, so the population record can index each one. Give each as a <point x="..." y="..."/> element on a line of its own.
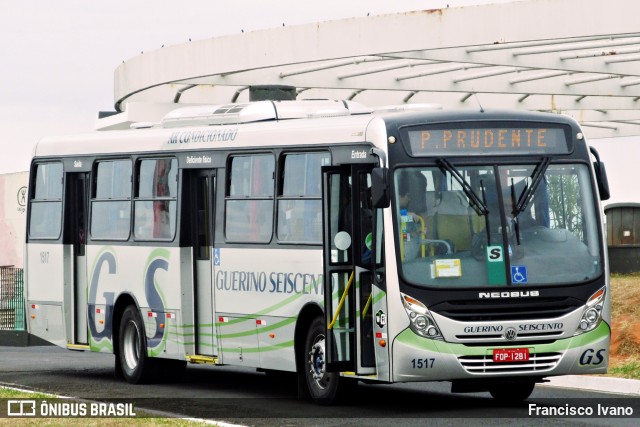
<point x="12" y="315"/>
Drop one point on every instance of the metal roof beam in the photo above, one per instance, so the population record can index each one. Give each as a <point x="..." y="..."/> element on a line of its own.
<point x="387" y="68"/>
<point x="598" y="125"/>
<point x="540" y="76"/>
<point x="592" y="79"/>
<point x="440" y="71"/>
<point x="541" y="62"/>
<point x="631" y="58"/>
<point x="325" y="66"/>
<point x="514" y="45"/>
<point x="484" y="75"/>
<point x="607" y="116"/>
<point x="630" y="83"/>
<point x="599" y="53"/>
<point x="622" y="42"/>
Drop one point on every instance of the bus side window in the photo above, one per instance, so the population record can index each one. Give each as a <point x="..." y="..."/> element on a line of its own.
<point x="46" y="203"/>
<point x="299" y="198"/>
<point x="249" y="199"/>
<point x="111" y="202"/>
<point x="155" y="203"/>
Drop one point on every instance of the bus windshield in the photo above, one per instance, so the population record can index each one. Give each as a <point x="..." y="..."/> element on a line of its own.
<point x="478" y="226"/>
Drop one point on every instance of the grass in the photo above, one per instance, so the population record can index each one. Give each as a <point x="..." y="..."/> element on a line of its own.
<point x="626" y="369"/>
<point x="624" y="361"/>
<point x="6" y="393"/>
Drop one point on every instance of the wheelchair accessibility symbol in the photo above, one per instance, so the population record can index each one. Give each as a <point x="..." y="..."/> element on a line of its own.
<point x="216" y="256"/>
<point x="519" y="274"/>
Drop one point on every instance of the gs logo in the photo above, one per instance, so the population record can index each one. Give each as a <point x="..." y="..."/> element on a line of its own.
<point x="592" y="357"/>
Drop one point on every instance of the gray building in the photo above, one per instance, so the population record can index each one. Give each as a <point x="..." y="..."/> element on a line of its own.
<point x="623" y="237"/>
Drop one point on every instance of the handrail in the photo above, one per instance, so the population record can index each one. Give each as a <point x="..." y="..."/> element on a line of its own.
<point x="423" y="235"/>
<point x="367" y="305"/>
<point x="341" y="303"/>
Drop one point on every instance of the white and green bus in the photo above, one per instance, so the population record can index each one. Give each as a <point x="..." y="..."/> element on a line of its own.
<point x="328" y="239"/>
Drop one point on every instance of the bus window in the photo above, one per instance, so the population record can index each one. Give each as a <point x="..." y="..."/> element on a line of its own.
<point x="299" y="205"/>
<point x="155" y="202"/>
<point x="46" y="204"/>
<point x="111" y="204"/>
<point x="249" y="203"/>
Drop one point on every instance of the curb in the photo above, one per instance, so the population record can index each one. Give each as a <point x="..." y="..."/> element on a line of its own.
<point x="596" y="383"/>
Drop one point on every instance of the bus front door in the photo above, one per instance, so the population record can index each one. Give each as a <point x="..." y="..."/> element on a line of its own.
<point x="202" y="194"/>
<point x="347" y="234"/>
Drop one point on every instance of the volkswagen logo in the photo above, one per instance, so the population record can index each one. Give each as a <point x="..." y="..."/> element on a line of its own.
<point x="510" y="334"/>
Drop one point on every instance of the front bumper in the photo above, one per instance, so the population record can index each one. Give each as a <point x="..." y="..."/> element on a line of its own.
<point x="419" y="359"/>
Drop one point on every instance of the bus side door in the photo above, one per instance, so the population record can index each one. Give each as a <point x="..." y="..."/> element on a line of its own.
<point x="75" y="236"/>
<point x="347" y="233"/>
<point x="201" y="210"/>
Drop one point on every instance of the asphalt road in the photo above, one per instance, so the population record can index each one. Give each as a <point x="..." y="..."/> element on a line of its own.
<point x="246" y="397"/>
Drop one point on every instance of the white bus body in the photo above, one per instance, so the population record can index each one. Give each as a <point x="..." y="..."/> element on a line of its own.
<point x="210" y="237"/>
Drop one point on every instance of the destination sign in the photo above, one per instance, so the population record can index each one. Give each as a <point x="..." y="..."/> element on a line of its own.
<point x="438" y="141"/>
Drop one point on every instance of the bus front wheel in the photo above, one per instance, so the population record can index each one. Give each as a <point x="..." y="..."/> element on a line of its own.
<point x="323" y="385"/>
<point x="135" y="365"/>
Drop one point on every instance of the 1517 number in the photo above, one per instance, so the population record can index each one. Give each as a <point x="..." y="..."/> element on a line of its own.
<point x="422" y="363"/>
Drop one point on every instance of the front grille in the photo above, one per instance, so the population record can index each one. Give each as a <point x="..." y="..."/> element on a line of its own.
<point x="485" y="337"/>
<point x="504" y="309"/>
<point x="538" y="362"/>
<point x="499" y="343"/>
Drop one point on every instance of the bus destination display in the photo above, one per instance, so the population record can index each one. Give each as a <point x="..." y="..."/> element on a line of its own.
<point x="487" y="140"/>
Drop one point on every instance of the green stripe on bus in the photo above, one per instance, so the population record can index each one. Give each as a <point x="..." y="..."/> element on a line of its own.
<point x="280" y="346"/>
<point x="273" y="327"/>
<point x="266" y="310"/>
<point x="408" y="337"/>
<point x="162" y="253"/>
<point x="98" y="346"/>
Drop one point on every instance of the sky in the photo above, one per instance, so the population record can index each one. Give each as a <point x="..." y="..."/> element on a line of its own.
<point x="57" y="58"/>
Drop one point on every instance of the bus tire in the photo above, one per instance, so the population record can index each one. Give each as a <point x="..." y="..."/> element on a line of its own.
<point x="136" y="366"/>
<point x="512" y="391"/>
<point x="323" y="385"/>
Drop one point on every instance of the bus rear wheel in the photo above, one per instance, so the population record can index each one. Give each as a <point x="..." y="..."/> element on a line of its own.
<point x="136" y="366"/>
<point x="512" y="392"/>
<point x="323" y="385"/>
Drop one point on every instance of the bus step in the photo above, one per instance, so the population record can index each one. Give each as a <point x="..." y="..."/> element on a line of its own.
<point x="195" y="358"/>
<point x="78" y="347"/>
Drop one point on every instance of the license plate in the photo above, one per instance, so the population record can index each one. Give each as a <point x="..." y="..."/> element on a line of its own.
<point x="510" y="354"/>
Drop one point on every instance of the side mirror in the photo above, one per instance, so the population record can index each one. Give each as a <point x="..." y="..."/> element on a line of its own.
<point x="603" y="182"/>
<point x="601" y="176"/>
<point x="380" y="188"/>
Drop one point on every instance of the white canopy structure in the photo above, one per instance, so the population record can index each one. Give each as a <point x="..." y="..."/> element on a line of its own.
<point x="575" y="57"/>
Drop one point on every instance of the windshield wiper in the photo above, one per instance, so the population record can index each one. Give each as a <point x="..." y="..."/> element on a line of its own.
<point x="476" y="203"/>
<point x="527" y="193"/>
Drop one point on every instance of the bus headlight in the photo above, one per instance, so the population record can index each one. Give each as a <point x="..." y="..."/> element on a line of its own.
<point x="421" y="321"/>
<point x="592" y="315"/>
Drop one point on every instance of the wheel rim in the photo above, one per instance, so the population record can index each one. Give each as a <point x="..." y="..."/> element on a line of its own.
<point x="317" y="365"/>
<point x="131" y="344"/>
